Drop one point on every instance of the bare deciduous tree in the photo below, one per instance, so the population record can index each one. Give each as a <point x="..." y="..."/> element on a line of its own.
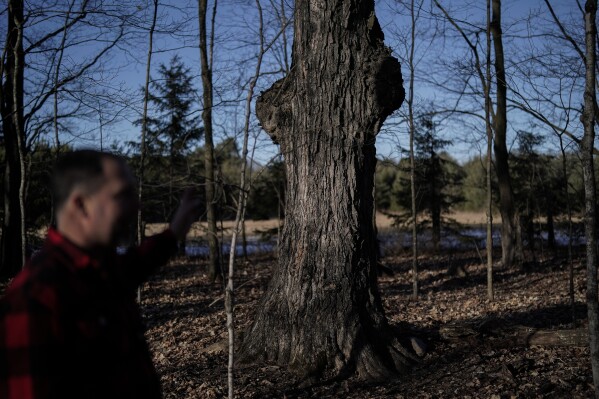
<point x="144" y="123"/>
<point x="510" y="231"/>
<point x="36" y="41"/>
<point x="511" y="247"/>
<point x="242" y="201"/>
<point x="489" y="161"/>
<point x="590" y="208"/>
<point x="410" y="101"/>
<point x="322" y="312"/>
<point x="13" y="242"/>
<point x="214" y="268"/>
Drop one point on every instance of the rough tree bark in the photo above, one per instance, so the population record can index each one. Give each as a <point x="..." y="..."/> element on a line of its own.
<point x="590" y="193"/>
<point x="511" y="250"/>
<point x="12" y="244"/>
<point x="322" y="314"/>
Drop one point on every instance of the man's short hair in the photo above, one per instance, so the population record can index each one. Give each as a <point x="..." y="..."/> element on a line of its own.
<point x="78" y="169"/>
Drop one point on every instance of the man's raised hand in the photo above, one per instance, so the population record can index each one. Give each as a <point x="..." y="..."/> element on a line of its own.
<point x="187" y="213"/>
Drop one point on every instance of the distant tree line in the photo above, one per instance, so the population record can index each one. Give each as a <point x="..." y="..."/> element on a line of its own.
<point x="67" y="83"/>
<point x="174" y="161"/>
<point x="443" y="185"/>
<point x="268" y="183"/>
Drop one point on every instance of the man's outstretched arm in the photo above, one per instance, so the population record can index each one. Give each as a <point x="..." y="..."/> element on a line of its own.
<point x="156" y="250"/>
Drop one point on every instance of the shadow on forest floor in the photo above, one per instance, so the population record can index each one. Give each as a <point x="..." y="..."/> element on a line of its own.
<point x="187" y="339"/>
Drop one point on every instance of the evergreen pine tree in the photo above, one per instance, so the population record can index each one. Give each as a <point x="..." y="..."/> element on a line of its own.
<point x="172" y="131"/>
<point x="438" y="178"/>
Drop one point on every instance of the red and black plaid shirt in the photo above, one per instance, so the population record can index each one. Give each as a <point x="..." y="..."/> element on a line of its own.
<point x="70" y="326"/>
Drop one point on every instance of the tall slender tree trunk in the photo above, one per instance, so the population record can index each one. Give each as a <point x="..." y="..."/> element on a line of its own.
<point x="570" y="230"/>
<point x="550" y="229"/>
<point x="412" y="162"/>
<point x="56" y="83"/>
<point x="141" y="226"/>
<point x="13" y="242"/>
<point x="494" y="29"/>
<point x="322" y="313"/>
<point x="436" y="227"/>
<point x="214" y="268"/>
<point x="435" y="206"/>
<point x="489" y="129"/>
<point x="57" y="77"/>
<point x="171" y="176"/>
<point x="510" y="237"/>
<point x="144" y="126"/>
<point x="590" y="193"/>
<point x="241" y="203"/>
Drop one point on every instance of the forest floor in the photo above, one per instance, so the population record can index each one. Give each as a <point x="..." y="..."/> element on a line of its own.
<point x="186" y="329"/>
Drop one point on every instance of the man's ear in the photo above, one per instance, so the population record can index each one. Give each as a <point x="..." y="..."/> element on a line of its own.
<point x="78" y="201"/>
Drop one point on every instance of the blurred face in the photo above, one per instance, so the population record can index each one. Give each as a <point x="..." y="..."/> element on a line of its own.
<point x="111" y="208"/>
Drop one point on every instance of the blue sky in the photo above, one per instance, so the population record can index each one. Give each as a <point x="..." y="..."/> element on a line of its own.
<point x="520" y="18"/>
<point x="236" y="47"/>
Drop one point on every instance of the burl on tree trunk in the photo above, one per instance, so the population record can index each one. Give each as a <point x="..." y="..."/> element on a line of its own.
<point x="322" y="313"/>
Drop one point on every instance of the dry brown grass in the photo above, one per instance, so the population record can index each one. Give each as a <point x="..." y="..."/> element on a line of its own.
<point x="199" y="229"/>
<point x="462" y="217"/>
<point x="255" y="227"/>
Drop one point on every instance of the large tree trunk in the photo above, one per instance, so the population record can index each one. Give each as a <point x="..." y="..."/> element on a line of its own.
<point x="214" y="266"/>
<point x="590" y="193"/>
<point x="12" y="244"/>
<point x="322" y="313"/>
<point x="510" y="237"/>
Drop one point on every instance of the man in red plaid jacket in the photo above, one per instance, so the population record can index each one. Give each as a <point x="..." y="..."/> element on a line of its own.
<point x="69" y="323"/>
